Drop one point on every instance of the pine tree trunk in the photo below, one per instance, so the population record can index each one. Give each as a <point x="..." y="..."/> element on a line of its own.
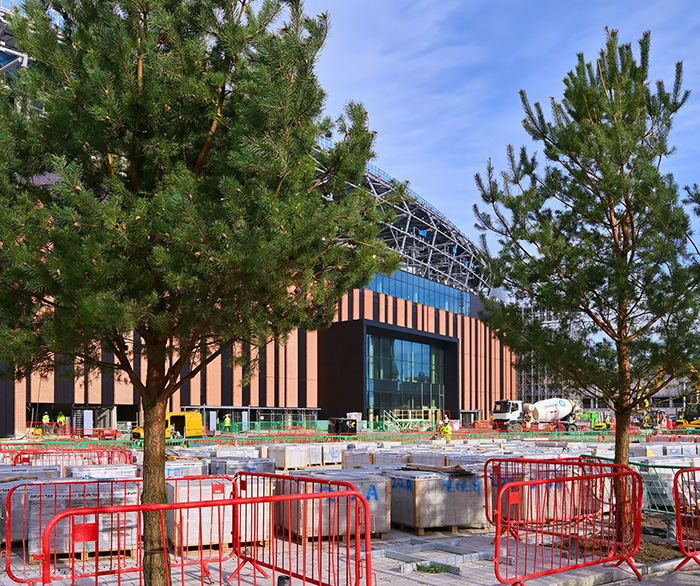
<point x="622" y="436"/>
<point x="156" y="566"/>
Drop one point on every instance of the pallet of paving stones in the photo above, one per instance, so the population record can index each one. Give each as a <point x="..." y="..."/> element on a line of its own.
<point x="423" y="500"/>
<point x="374" y="487"/>
<point x="288" y="457"/>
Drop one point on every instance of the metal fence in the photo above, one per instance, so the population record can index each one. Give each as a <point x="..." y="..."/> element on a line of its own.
<point x="657" y="481"/>
<point x="548" y="526"/>
<point x="30" y="506"/>
<point x="686" y="496"/>
<point x="203" y="542"/>
<point x="72" y="457"/>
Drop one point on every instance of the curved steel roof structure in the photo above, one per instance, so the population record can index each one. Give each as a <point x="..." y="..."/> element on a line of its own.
<point x="431" y="245"/>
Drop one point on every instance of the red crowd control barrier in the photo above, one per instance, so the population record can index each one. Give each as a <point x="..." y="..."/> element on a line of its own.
<point x="29" y="508"/>
<point x="552" y="525"/>
<point x="501" y="471"/>
<point x="686" y="495"/>
<point x="8" y="451"/>
<point x="105" y="541"/>
<point x="72" y="457"/>
<point x="255" y="484"/>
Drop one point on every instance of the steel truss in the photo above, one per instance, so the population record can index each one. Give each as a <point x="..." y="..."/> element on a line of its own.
<point x="431" y="245"/>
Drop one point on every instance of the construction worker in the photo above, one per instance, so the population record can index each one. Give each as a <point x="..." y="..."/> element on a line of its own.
<point x="61" y="419"/>
<point x="445" y="430"/>
<point x="45" y="421"/>
<point x="227" y="422"/>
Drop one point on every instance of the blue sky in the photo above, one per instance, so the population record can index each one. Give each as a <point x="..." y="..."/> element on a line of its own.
<point x="440" y="78"/>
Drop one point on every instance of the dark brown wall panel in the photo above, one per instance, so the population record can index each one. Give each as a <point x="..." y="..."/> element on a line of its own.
<point x="341" y="369"/>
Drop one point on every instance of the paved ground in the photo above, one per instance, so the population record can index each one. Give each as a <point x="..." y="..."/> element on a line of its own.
<point x="466" y="559"/>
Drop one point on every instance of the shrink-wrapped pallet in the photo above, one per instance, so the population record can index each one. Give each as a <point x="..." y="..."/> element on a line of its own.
<point x="104" y="472"/>
<point x="236" y="452"/>
<point x="391" y="457"/>
<point x="288" y="457"/>
<point x="428" y="457"/>
<point x="31" y="472"/>
<point x="213" y="525"/>
<point x="333" y="452"/>
<point x="207" y="525"/>
<point x="114" y="531"/>
<point x="376" y="489"/>
<point x="229" y="466"/>
<point x="423" y="500"/>
<point x="314" y="454"/>
<point x="182" y="468"/>
<point x="356" y="458"/>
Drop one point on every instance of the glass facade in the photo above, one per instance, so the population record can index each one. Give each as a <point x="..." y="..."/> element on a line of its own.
<point x="421" y="290"/>
<point x="403" y="375"/>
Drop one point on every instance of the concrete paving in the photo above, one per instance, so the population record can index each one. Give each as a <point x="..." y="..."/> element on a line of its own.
<point x="465" y="558"/>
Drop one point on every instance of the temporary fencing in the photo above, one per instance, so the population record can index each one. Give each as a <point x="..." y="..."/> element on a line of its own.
<point x="8" y="450"/>
<point x="95" y="550"/>
<point x="29" y="508"/>
<point x="72" y="457"/>
<point x="657" y="482"/>
<point x="312" y="529"/>
<point x="686" y="495"/>
<point x="552" y="516"/>
<point x="500" y="471"/>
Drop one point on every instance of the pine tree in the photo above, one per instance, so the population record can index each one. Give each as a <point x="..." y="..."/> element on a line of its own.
<point x="160" y="176"/>
<point x="598" y="236"/>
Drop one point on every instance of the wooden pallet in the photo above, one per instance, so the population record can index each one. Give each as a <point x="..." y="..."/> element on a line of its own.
<point x="85" y="554"/>
<point x="419" y="531"/>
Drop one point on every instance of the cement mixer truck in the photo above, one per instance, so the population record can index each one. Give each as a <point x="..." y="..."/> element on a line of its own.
<point x="556" y="410"/>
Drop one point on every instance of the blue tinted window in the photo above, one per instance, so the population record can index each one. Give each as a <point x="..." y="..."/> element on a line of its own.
<point x="422" y="290"/>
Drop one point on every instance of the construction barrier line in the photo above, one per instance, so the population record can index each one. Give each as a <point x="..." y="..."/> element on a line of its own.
<point x="686" y="496"/>
<point x="547" y="526"/>
<point x="324" y="562"/>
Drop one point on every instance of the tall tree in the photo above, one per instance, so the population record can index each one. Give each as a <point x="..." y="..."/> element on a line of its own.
<point x="598" y="236"/>
<point x="159" y="175"/>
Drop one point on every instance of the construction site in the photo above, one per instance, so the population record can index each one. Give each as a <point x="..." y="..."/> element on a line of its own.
<point x="487" y="507"/>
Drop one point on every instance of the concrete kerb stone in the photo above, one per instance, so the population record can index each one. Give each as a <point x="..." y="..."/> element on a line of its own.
<point x="663" y="570"/>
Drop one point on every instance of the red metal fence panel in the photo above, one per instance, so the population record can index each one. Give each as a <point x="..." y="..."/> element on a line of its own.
<point x="8" y="450"/>
<point x="500" y="471"/>
<point x="547" y="526"/>
<point x="686" y="495"/>
<point x="72" y="457"/>
<point x="99" y="541"/>
<point x="30" y="506"/>
<point x="312" y="531"/>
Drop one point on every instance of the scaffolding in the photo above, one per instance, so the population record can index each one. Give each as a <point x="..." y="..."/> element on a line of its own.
<point x="536" y="382"/>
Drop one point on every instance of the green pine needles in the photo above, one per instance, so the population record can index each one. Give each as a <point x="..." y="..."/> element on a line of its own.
<point x="598" y="236"/>
<point x="160" y="174"/>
